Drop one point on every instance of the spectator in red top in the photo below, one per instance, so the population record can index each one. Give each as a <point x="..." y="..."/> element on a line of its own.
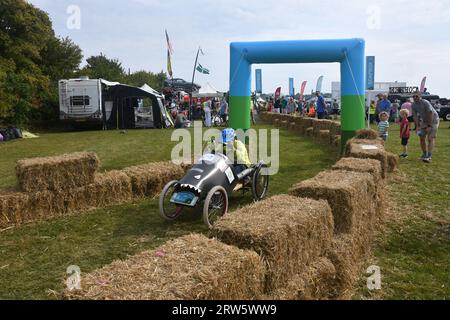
<point x="404" y="131"/>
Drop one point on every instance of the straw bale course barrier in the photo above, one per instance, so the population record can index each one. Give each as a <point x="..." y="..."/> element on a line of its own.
<point x="188" y="268"/>
<point x="287" y="232"/>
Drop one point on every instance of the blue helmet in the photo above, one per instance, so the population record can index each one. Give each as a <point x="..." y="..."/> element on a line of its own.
<point x="228" y="135"/>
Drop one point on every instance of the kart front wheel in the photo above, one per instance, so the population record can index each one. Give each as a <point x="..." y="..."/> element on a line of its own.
<point x="168" y="210"/>
<point x="216" y="205"/>
<point x="260" y="184"/>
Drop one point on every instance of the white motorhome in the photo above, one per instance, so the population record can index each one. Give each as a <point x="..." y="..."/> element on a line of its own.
<point x="82" y="99"/>
<point x="112" y="104"/>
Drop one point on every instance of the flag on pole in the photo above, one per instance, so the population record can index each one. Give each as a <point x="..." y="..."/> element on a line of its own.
<point x="202" y="69"/>
<point x="201" y="51"/>
<point x="302" y="90"/>
<point x="169" y="45"/>
<point x="422" y="85"/>
<point x="169" y="64"/>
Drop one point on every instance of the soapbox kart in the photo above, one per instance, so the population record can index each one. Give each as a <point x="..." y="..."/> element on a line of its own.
<point x="209" y="184"/>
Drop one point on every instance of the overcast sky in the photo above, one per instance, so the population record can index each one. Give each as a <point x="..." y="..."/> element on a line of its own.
<point x="410" y="39"/>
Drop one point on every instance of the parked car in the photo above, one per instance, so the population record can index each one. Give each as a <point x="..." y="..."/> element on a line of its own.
<point x="180" y="84"/>
<point x="444" y="112"/>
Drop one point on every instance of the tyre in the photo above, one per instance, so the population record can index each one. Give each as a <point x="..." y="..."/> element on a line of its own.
<point x="167" y="210"/>
<point x="260" y="184"/>
<point x="215" y="206"/>
<point x="447" y="116"/>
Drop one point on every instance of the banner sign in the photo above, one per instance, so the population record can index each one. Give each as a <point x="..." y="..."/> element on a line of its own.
<point x="422" y="85"/>
<point x="278" y="93"/>
<point x="302" y="90"/>
<point x="258" y="79"/>
<point x="291" y="87"/>
<point x="370" y="73"/>
<point x="403" y="90"/>
<point x="319" y="84"/>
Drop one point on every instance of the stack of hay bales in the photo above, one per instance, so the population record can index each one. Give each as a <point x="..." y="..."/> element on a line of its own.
<point x="353" y="199"/>
<point x="188" y="268"/>
<point x="289" y="233"/>
<point x="57" y="173"/>
<point x="148" y="180"/>
<point x="69" y="184"/>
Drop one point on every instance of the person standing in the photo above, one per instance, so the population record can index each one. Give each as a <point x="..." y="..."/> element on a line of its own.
<point x="292" y="106"/>
<point x="321" y="108"/>
<point x="270" y="105"/>
<point x="427" y="126"/>
<point x="335" y="108"/>
<point x="372" y="112"/>
<point x="207" y="110"/>
<point x="284" y="106"/>
<point x="395" y="108"/>
<point x="277" y="106"/>
<point x="385" y="105"/>
<point x="383" y="126"/>
<point x="408" y="106"/>
<point x="404" y="131"/>
<point x="224" y="110"/>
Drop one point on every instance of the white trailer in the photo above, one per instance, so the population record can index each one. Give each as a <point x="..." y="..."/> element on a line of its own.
<point x="80" y="100"/>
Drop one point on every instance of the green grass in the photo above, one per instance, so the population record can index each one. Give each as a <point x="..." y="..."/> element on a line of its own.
<point x="414" y="250"/>
<point x="34" y="258"/>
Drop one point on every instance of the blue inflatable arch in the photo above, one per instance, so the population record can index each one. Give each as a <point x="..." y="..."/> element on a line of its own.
<point x="348" y="52"/>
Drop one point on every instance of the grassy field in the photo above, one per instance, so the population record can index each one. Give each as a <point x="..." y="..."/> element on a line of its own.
<point x="34" y="258"/>
<point x="413" y="251"/>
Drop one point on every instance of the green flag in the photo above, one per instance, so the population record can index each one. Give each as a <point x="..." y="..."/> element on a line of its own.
<point x="201" y="69"/>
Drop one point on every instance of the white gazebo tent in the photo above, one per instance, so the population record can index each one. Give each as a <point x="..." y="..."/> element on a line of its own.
<point x="208" y="91"/>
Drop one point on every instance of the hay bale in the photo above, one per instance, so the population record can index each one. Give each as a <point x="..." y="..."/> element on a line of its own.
<point x="335" y="128"/>
<point x="324" y="136"/>
<point x="321" y="124"/>
<point x="347" y="254"/>
<point x="368" y="134"/>
<point x="109" y="188"/>
<point x="351" y="196"/>
<point x="188" y="268"/>
<point x="393" y="161"/>
<point x="292" y="126"/>
<point x="309" y="132"/>
<point x="287" y="232"/>
<point x="371" y="166"/>
<point x="313" y="283"/>
<point x="306" y="122"/>
<point x="148" y="179"/>
<point x="357" y="148"/>
<point x="14" y="207"/>
<point x="57" y="173"/>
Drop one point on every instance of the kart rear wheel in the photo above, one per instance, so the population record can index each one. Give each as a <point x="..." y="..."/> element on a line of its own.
<point x="260" y="184"/>
<point x="216" y="205"/>
<point x="168" y="210"/>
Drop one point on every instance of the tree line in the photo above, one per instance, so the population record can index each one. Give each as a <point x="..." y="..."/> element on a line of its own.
<point x="33" y="59"/>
